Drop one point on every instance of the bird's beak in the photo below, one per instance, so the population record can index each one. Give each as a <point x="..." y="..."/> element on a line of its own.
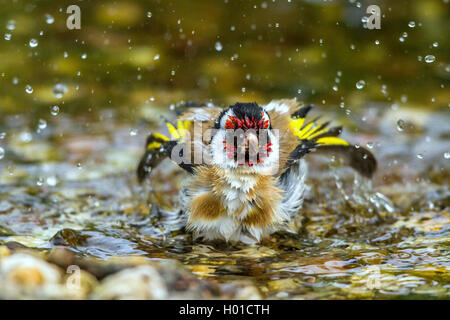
<point x="251" y="143"/>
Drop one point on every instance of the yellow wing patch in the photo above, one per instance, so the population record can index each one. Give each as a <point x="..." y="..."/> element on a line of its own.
<point x="179" y="131"/>
<point x="161" y="136"/>
<point x="326" y="141"/>
<point x="156" y="139"/>
<point x="304" y="132"/>
<point x="319" y="133"/>
<point x="153" y="145"/>
<point x="296" y="124"/>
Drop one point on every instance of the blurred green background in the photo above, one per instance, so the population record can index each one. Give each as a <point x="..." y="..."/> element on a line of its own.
<point x="140" y="55"/>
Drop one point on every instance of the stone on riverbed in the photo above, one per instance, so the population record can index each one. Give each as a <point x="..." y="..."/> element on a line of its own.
<point x="27" y="275"/>
<point x="24" y="276"/>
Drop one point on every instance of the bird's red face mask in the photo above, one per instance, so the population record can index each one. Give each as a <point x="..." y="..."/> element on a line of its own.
<point x="247" y="139"/>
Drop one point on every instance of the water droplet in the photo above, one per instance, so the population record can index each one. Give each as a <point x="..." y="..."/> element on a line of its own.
<point x="218" y="46"/>
<point x="7" y="36"/>
<point x="40" y="182"/>
<point x="430" y="58"/>
<point x="59" y="90"/>
<point x="2" y="135"/>
<point x="42" y="124"/>
<point x="79" y="166"/>
<point x="360" y="84"/>
<point x="54" y="111"/>
<point x="369" y="144"/>
<point x="49" y="19"/>
<point x="28" y="89"/>
<point x="84" y="56"/>
<point x="435" y="44"/>
<point x="420" y="156"/>
<point x="52" y="181"/>
<point x="33" y="43"/>
<point x="2" y="153"/>
<point x="411" y="24"/>
<point x="149" y="14"/>
<point x="156" y="57"/>
<point x="133" y="132"/>
<point x="335" y="88"/>
<point x="377" y="42"/>
<point x="299" y="91"/>
<point x="401" y="125"/>
<point x="66" y="54"/>
<point x="401" y="39"/>
<point x="25" y="136"/>
<point x="11" y="25"/>
<point x="447" y="155"/>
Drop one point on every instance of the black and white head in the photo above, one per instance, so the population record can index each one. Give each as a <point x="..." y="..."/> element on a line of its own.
<point x="244" y="139"/>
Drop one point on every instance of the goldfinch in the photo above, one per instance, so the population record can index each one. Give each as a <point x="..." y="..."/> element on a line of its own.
<point x="246" y="165"/>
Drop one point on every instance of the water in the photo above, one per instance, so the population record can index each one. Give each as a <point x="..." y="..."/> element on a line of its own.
<point x="430" y="58"/>
<point x="360" y="84"/>
<point x="33" y="43"/>
<point x="75" y="110"/>
<point x="218" y="46"/>
<point x="59" y="90"/>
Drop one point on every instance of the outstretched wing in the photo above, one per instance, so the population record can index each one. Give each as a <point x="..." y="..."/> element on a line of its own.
<point x="319" y="137"/>
<point x="159" y="146"/>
